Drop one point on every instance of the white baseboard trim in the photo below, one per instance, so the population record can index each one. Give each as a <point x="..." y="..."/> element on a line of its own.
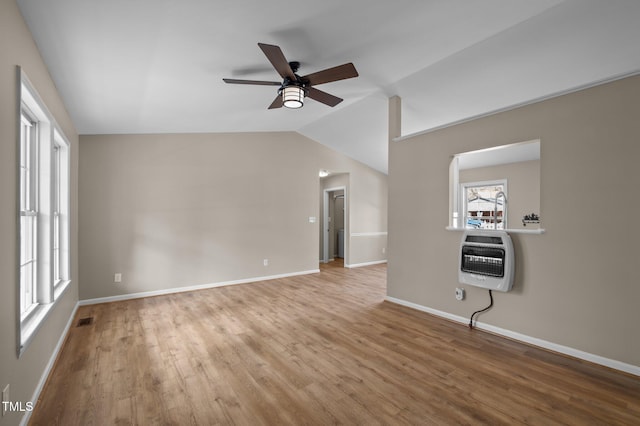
<point x="359" y="265"/>
<point x="49" y="366"/>
<point x="576" y="353"/>
<point x="190" y="288"/>
<point x="369" y="234"/>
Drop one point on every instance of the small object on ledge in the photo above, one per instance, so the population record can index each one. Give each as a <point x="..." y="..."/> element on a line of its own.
<point x="530" y="218"/>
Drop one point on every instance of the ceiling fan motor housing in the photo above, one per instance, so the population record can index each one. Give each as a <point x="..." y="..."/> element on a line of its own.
<point x="295" y="66"/>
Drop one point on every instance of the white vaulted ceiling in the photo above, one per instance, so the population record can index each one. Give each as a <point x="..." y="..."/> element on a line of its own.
<point x="156" y="66"/>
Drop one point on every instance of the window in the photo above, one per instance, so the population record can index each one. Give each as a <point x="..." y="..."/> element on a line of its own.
<point x="55" y="207"/>
<point x="43" y="212"/>
<point x="28" y="215"/>
<point x="484" y="204"/>
<point x="60" y="209"/>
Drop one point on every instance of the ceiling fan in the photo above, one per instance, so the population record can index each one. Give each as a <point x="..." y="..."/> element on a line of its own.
<point x="293" y="88"/>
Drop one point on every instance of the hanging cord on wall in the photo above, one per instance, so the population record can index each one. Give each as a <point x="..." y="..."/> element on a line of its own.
<point x="481" y="310"/>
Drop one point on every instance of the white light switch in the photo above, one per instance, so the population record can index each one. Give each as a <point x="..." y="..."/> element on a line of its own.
<point x="312" y="219"/>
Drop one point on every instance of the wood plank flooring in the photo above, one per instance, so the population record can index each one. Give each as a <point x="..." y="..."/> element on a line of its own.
<point x="314" y="350"/>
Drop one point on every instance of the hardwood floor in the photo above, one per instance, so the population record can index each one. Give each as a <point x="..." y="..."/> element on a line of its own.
<point x="315" y="349"/>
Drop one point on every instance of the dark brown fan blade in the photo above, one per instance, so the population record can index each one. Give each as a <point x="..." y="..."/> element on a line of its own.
<point x="256" y="82"/>
<point x="277" y="103"/>
<point x="277" y="59"/>
<point x="341" y="72"/>
<point x="323" y="97"/>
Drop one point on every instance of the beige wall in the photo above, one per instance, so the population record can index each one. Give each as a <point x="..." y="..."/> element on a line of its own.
<point x="169" y="211"/>
<point x="523" y="188"/>
<point x="577" y="284"/>
<point x="368" y="223"/>
<point x="17" y="48"/>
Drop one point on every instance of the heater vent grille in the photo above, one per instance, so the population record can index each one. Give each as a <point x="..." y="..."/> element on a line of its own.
<point x="85" y="321"/>
<point x="483" y="260"/>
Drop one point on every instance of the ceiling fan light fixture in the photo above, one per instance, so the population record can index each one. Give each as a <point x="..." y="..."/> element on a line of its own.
<point x="293" y="97"/>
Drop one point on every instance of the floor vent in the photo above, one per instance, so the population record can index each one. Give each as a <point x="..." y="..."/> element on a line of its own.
<point x="85" y="321"/>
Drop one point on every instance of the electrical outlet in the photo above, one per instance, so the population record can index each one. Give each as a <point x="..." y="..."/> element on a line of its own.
<point x="384" y="250"/>
<point x="5" y="398"/>
<point x="265" y="262"/>
<point x="459" y="293"/>
<point x="117" y="278"/>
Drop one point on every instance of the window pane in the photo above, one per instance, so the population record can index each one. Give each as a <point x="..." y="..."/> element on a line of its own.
<point x="56" y="248"/>
<point x="28" y="262"/>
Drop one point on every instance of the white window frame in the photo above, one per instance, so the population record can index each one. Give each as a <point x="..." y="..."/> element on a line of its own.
<point x="463" y="199"/>
<point x="43" y="195"/>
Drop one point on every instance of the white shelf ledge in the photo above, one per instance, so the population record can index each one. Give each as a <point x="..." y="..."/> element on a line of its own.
<point x="538" y="231"/>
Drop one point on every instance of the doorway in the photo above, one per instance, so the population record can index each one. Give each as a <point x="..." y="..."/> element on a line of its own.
<point x="335" y="239"/>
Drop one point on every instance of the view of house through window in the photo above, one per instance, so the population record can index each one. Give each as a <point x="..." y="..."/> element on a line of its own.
<point x="484" y="205"/>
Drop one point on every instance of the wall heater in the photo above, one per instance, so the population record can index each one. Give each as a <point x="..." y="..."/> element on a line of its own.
<point x="486" y="260"/>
